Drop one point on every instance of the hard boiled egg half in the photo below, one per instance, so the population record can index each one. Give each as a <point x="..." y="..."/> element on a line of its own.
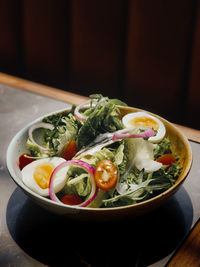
<point x="36" y="175"/>
<point x="145" y="120"/>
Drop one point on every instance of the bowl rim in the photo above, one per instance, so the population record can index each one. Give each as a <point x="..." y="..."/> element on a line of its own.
<point x="144" y="203"/>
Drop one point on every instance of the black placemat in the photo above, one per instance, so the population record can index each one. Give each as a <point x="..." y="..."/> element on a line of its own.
<point x="56" y="241"/>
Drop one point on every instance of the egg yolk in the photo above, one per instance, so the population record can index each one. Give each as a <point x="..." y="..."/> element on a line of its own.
<point x="144" y="122"/>
<point x="42" y="175"/>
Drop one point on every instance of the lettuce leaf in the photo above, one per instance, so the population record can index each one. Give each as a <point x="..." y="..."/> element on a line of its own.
<point x="104" y="118"/>
<point x="78" y="180"/>
<point x="104" y="153"/>
<point x="34" y="149"/>
<point x="65" y="130"/>
<point x="163" y="147"/>
<point x="66" y="133"/>
<point x="56" y="119"/>
<point x="79" y="185"/>
<point x="138" y="185"/>
<point x="98" y="201"/>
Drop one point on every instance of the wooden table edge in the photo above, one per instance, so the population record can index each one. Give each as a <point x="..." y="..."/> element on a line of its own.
<point x="71" y="98"/>
<point x="41" y="89"/>
<point x="188" y="254"/>
<point x="65" y="96"/>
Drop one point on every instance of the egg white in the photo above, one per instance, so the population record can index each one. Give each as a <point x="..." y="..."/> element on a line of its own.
<point x="143" y="156"/>
<point x="161" y="127"/>
<point x="29" y="181"/>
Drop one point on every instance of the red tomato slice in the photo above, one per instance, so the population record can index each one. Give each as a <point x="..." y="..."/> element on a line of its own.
<point x="167" y="159"/>
<point x="71" y="199"/>
<point x="23" y="160"/>
<point x="105" y="175"/>
<point x="70" y="151"/>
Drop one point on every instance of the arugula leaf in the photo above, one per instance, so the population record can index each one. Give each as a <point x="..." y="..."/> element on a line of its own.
<point x="56" y="119"/>
<point x="65" y="131"/>
<point x="140" y="185"/>
<point x="163" y="147"/>
<point x="118" y="102"/>
<point x="96" y="96"/>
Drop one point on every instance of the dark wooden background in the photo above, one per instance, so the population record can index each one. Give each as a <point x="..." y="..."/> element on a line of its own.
<point x="145" y="52"/>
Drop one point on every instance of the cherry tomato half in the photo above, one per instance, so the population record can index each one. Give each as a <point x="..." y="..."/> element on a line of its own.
<point x="23" y="160"/>
<point x="71" y="199"/>
<point x="70" y="151"/>
<point x="105" y="175"/>
<point x="167" y="159"/>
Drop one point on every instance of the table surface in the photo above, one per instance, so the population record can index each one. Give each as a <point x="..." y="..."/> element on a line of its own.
<point x="24" y="227"/>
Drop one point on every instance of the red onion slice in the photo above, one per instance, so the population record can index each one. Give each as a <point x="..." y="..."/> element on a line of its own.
<point x="83" y="165"/>
<point x="77" y="114"/>
<point x="86" y="104"/>
<point x="126" y="133"/>
<point x="37" y="126"/>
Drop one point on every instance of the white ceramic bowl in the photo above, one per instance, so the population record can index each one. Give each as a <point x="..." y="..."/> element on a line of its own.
<point x="180" y="145"/>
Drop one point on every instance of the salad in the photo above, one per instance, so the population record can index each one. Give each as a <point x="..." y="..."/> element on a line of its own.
<point x="92" y="156"/>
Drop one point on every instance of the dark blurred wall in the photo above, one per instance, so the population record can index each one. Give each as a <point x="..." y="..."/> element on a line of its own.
<point x="144" y="52"/>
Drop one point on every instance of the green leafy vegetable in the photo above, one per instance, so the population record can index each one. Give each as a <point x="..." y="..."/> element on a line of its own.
<point x="56" y="140"/>
<point x="104" y="118"/>
<point x="140" y="185"/>
<point x="163" y="147"/>
<point x="34" y="149"/>
<point x="56" y="119"/>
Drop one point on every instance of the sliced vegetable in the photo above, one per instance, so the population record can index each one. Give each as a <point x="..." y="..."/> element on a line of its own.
<point x="167" y="159"/>
<point x="127" y="133"/>
<point x="70" y="152"/>
<point x="96" y="98"/>
<point x="77" y="114"/>
<point x="104" y="118"/>
<point x="83" y="165"/>
<point x="24" y="160"/>
<point x="37" y="126"/>
<point x="71" y="199"/>
<point x="105" y="175"/>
